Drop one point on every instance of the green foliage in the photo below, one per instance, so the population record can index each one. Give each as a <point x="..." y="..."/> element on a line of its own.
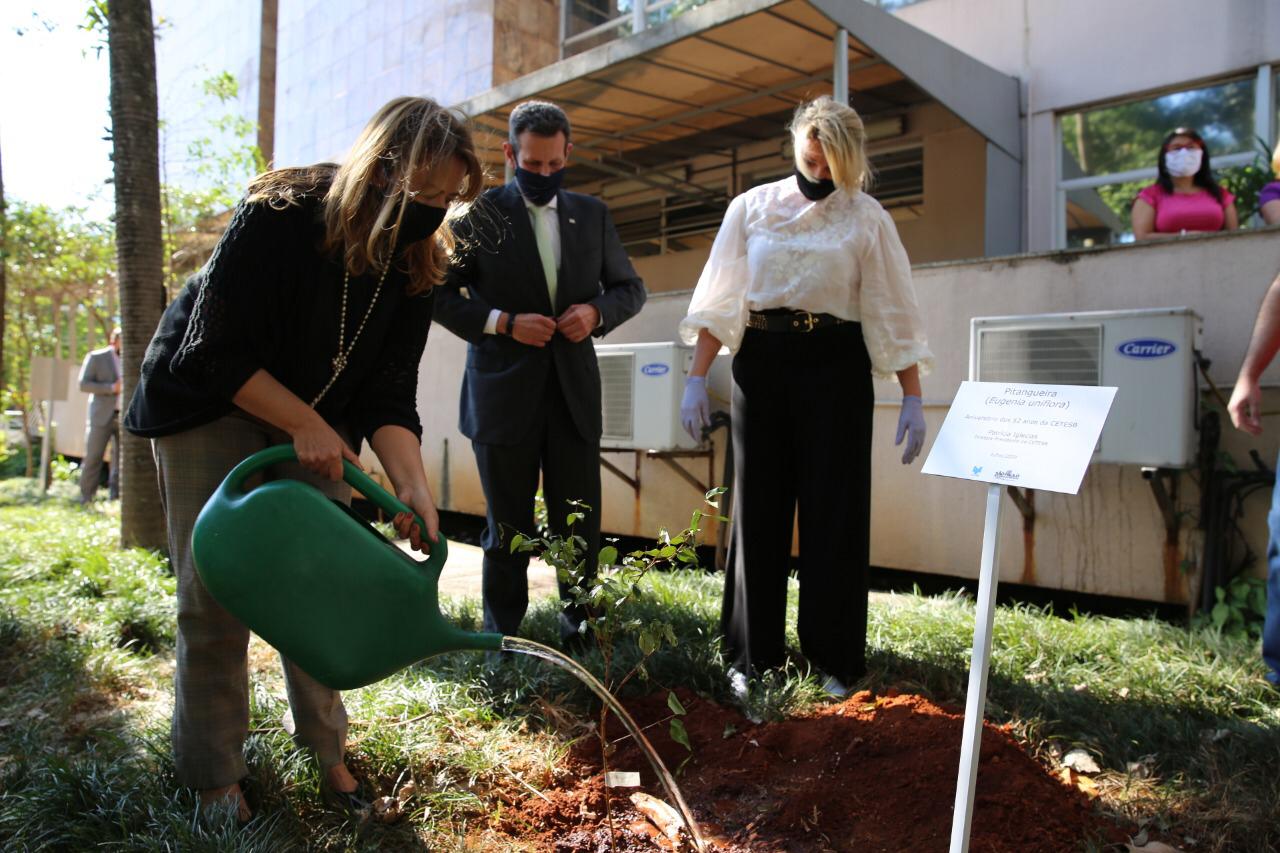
<point x="609" y="596"/>
<point x="1246" y="182"/>
<point x="222" y="158"/>
<point x="60" y="275"/>
<point x="1239" y="609"/>
<point x="87" y="763"/>
<point x="1127" y="136"/>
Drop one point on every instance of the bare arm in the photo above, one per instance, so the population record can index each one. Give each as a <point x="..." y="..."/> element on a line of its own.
<point x="910" y="381"/>
<point x="320" y="449"/>
<point x="1245" y="407"/>
<point x="1144" y="220"/>
<point x="1271" y="212"/>
<point x="704" y="352"/>
<point x="1231" y="217"/>
<point x="401" y="456"/>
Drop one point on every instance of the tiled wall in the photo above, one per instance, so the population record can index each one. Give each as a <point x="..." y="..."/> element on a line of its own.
<point x="340" y="60"/>
<point x="337" y="61"/>
<point x="195" y="41"/>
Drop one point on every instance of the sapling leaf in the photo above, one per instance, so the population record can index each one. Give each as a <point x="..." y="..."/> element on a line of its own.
<point x="608" y="555"/>
<point x="516" y="542"/>
<point x="679" y="734"/>
<point x="673" y="702"/>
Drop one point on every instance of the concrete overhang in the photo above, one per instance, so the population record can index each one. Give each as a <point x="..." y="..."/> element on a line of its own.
<point x="731" y="71"/>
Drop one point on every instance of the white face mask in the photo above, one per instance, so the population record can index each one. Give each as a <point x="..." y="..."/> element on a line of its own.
<point x="1183" y="162"/>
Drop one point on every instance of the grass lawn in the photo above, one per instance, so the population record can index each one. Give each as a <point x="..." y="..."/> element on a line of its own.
<point x="1185" y="730"/>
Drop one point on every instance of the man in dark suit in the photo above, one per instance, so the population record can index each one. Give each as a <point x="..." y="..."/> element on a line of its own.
<point x="100" y="375"/>
<point x="539" y="272"/>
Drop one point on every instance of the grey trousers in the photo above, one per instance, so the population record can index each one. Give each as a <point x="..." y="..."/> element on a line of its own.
<point x="211" y="686"/>
<point x="95" y="444"/>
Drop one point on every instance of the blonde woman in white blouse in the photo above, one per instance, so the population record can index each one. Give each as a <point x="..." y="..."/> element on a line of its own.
<point x="809" y="286"/>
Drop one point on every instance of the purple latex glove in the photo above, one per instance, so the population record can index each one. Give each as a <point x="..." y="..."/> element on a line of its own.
<point x="911" y="425"/>
<point x="695" y="407"/>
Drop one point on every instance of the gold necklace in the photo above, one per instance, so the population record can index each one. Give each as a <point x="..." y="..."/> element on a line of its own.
<point x="340" y="360"/>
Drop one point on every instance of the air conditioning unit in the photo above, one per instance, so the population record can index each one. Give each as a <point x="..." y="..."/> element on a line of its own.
<point x="1148" y="354"/>
<point x="641" y="386"/>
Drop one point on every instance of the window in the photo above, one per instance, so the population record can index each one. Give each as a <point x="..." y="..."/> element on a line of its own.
<point x="1109" y="153"/>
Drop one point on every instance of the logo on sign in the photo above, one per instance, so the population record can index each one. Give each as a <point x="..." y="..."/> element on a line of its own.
<point x="977" y="469"/>
<point x="1147" y="348"/>
<point x="655" y="369"/>
<point x="1006" y="475"/>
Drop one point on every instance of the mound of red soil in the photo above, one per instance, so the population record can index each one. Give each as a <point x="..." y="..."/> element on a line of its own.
<point x="871" y="773"/>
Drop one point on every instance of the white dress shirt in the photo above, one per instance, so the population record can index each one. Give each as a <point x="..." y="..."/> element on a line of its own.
<point x="553" y="229"/>
<point x="840" y="255"/>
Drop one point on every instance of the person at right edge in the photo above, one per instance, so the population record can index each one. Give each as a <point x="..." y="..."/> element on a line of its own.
<point x="1245" y="409"/>
<point x="544" y="272"/>
<point x="809" y="285"/>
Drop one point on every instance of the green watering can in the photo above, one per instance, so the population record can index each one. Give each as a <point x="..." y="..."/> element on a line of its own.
<point x="318" y="582"/>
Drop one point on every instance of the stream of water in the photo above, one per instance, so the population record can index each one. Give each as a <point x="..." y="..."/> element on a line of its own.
<point x="528" y="647"/>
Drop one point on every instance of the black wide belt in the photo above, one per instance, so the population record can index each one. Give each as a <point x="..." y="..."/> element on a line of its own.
<point x="790" y="321"/>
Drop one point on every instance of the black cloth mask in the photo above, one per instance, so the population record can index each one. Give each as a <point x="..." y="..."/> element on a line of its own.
<point x="538" y="188"/>
<point x="419" y="222"/>
<point x="814" y="190"/>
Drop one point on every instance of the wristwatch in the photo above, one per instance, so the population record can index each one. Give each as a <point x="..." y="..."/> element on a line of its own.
<point x="511" y="325"/>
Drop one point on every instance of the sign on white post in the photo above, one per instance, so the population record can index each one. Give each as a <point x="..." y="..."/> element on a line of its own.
<point x="1008" y="434"/>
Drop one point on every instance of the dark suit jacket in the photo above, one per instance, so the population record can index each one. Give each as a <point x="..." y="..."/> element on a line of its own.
<point x="499" y="267"/>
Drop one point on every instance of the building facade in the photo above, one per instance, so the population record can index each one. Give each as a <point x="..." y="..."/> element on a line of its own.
<point x="1009" y="139"/>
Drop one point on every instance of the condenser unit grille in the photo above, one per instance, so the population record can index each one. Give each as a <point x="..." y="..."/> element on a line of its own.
<point x="1070" y="355"/>
<point x="617" y="377"/>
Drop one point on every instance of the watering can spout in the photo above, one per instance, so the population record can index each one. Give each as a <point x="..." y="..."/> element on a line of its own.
<point x="318" y="582"/>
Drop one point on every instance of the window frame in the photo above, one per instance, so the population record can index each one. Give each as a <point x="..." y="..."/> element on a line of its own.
<point x="1264" y="117"/>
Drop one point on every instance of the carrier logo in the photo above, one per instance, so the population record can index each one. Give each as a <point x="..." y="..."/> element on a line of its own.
<point x="655" y="369"/>
<point x="1147" y="348"/>
<point x="1006" y="475"/>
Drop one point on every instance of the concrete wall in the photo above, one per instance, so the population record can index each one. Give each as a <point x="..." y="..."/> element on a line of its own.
<point x="1074" y="53"/>
<point x="1109" y="539"/>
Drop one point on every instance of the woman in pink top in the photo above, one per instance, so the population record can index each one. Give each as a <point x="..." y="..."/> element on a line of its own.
<point x="1185" y="199"/>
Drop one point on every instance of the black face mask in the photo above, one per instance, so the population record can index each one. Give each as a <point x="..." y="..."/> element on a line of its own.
<point x="420" y="221"/>
<point x="814" y="190"/>
<point x="539" y="189"/>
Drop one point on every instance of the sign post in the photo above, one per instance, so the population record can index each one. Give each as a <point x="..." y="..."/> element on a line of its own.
<point x="48" y="384"/>
<point x="1006" y="434"/>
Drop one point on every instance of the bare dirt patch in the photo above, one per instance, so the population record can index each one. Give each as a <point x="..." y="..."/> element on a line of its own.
<point x="870" y="773"/>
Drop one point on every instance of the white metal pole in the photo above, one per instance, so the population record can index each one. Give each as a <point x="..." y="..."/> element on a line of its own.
<point x="639" y="18"/>
<point x="975" y="705"/>
<point x="840" y="68"/>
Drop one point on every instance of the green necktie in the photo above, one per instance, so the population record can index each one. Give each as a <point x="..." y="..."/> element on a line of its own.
<point x="543" y="233"/>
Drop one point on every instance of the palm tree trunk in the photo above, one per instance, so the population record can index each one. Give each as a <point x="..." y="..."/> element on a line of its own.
<point x="135" y="142"/>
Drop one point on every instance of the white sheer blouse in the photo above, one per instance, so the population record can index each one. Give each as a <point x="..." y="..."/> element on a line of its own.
<point x="840" y="256"/>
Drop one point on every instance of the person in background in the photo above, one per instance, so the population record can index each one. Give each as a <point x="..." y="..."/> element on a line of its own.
<point x="100" y="375"/>
<point x="1245" y="409"/>
<point x="543" y="272"/>
<point x="307" y="325"/>
<point x="809" y="285"/>
<point x="1269" y="197"/>
<point x="1185" y="199"/>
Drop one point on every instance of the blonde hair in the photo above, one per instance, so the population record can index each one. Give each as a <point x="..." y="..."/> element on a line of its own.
<point x="1275" y="161"/>
<point x="367" y="195"/>
<point x="838" y="128"/>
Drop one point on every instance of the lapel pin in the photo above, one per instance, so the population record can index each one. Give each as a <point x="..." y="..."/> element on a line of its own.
<point x="572" y="221"/>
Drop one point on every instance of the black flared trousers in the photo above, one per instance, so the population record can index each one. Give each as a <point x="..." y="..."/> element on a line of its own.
<point x="802" y="406"/>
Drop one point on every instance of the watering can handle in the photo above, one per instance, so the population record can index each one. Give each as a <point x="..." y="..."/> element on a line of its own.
<point x="354" y="477"/>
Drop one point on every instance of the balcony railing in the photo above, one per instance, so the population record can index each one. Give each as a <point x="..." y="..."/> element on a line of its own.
<point x="585" y="24"/>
